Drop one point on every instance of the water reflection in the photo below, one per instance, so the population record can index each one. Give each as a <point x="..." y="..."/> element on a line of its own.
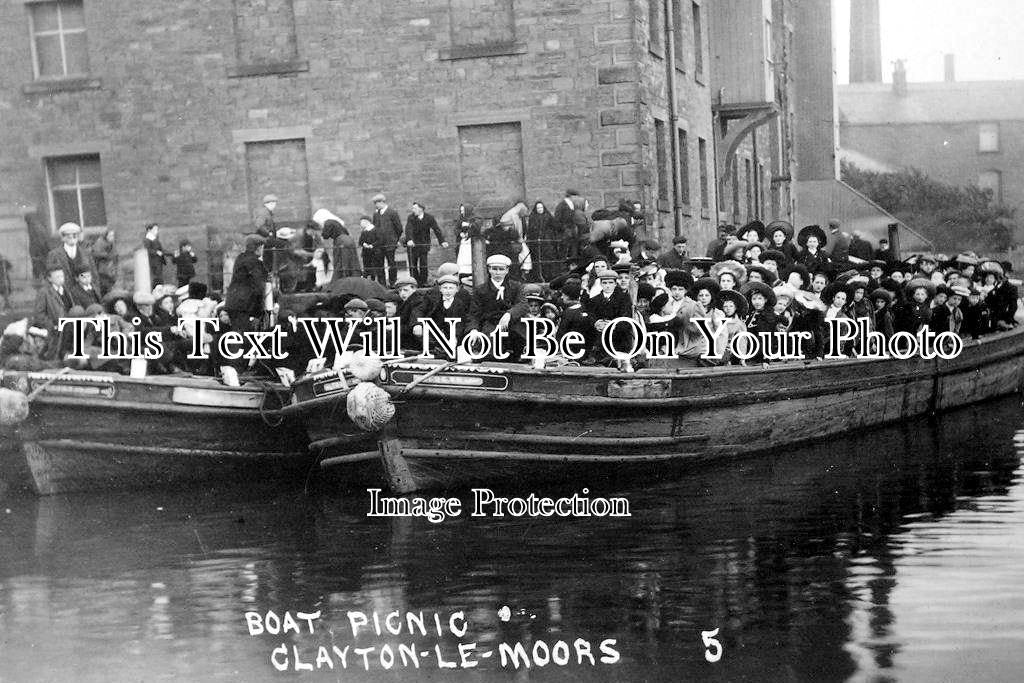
<point x="893" y="554"/>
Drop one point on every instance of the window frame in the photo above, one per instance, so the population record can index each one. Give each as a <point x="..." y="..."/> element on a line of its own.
<point x="662" y="157"/>
<point x="697" y="21"/>
<point x="60" y="32"/>
<point x="990" y="125"/>
<point x="997" y="191"/>
<point x="78" y="187"/>
<point x="705" y="190"/>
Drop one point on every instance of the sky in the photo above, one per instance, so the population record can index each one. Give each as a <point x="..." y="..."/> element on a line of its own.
<point x="984" y="35"/>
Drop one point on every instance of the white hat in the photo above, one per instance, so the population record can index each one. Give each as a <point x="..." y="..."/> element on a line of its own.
<point x="285" y="233"/>
<point x="321" y="216"/>
<point x="69" y="229"/>
<point x="499" y="260"/>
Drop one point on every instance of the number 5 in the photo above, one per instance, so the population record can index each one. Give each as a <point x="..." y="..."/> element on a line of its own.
<point x="713" y="651"/>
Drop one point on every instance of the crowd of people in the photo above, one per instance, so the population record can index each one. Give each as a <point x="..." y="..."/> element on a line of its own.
<point x="580" y="272"/>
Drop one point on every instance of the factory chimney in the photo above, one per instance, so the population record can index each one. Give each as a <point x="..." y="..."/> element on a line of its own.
<point x="865" y="42"/>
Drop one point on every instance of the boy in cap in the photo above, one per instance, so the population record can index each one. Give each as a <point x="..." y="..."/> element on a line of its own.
<point x="576" y="319"/>
<point x="70" y="256"/>
<point x="185" y="262"/>
<point x="82" y="291"/>
<point x="609" y="304"/>
<point x="265" y="226"/>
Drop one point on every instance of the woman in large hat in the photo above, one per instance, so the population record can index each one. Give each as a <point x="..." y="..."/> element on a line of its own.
<point x="835" y="296"/>
<point x="730" y="274"/>
<point x="734" y="310"/>
<point x="916" y="311"/>
<point x="751" y="232"/>
<point x="858" y="306"/>
<point x="780" y="238"/>
<point x="881" y="301"/>
<point x="812" y="241"/>
<point x="761" y="314"/>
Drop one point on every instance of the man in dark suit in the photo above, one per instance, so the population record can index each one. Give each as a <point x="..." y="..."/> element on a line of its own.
<point x="70" y="256"/>
<point x="157" y="258"/>
<point x="82" y="291"/>
<point x="244" y="298"/>
<point x="418" y="227"/>
<point x="389" y="224"/>
<point x="576" y="319"/>
<point x="676" y="258"/>
<point x="565" y="225"/>
<point x="609" y="304"/>
<point x="52" y="303"/>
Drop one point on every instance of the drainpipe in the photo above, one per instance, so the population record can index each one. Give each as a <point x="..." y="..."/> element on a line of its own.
<point x="673" y="116"/>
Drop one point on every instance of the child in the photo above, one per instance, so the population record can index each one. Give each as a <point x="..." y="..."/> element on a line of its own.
<point x="916" y="312"/>
<point x="372" y="244"/>
<point x="185" y="262"/>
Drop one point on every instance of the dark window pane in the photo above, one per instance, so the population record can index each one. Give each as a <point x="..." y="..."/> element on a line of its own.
<point x="72" y="15"/>
<point x="44" y="16"/>
<point x="65" y="206"/>
<point x="93" y="208"/>
<point x="89" y="172"/>
<point x="76" y="54"/>
<point x="48" y="54"/>
<point x="62" y="173"/>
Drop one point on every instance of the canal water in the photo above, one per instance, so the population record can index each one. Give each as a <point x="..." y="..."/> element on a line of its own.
<point x="896" y="554"/>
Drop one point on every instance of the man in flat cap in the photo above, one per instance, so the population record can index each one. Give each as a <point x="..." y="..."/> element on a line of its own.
<point x="675" y="258"/>
<point x="389" y="224"/>
<point x="70" y="256"/>
<point x="265" y="226"/>
<point x="497" y="303"/>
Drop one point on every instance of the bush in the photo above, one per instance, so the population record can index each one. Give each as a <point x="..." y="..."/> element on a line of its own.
<point x="954" y="217"/>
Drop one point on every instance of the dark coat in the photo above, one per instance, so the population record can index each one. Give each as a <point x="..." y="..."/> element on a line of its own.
<point x="389" y="225"/>
<point x="576" y="319"/>
<point x="373" y="254"/>
<point x="618" y="305"/>
<point x="911" y="315"/>
<point x="58" y="258"/>
<point x="486" y="309"/>
<point x="542" y="239"/>
<point x="884" y="322"/>
<point x="564" y="224"/>
<point x="418" y="230"/>
<point x="104" y="256"/>
<point x="248" y="281"/>
<point x="50" y="307"/>
<point x="83" y="298"/>
<point x="670" y="260"/>
<point x="815" y="262"/>
<point x="1002" y="301"/>
<point x="185" y="265"/>
<point x="157" y="259"/>
<point x="432" y="307"/>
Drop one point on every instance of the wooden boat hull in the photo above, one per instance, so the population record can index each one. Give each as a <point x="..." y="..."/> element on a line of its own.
<point x="481" y="424"/>
<point x="98" y="431"/>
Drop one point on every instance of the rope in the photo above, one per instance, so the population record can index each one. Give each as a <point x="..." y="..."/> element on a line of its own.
<point x="267" y="391"/>
<point x="38" y="390"/>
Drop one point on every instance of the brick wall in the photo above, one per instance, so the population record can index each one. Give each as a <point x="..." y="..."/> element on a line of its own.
<point x="375" y="92"/>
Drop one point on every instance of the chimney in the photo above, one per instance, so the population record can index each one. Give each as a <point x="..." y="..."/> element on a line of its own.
<point x="899" y="79"/>
<point x="865" y="42"/>
<point x="950" y="68"/>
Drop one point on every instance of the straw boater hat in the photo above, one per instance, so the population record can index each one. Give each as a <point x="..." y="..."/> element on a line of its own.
<point x="730" y="251"/>
<point x="737" y="298"/>
<point x="760" y="288"/>
<point x="285" y="233"/>
<point x="809" y="230"/>
<point x="734" y="267"/>
<point x="785" y="290"/>
<point x="918" y="282"/>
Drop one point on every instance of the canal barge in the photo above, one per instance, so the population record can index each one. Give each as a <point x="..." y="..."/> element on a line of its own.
<point x="463" y="424"/>
<point x="103" y="431"/>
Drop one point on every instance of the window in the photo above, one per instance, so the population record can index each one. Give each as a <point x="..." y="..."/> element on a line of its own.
<point x="750" y="189"/>
<point x="76" y="191"/>
<point x="702" y="158"/>
<point x="698" y="44"/>
<point x="988" y="137"/>
<point x="662" y="159"/>
<point x="684" y="167"/>
<point x="993" y="181"/>
<point x="655" y="26"/>
<point x="735" y="188"/>
<point x="677" y="25"/>
<point x="58" y="39"/>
